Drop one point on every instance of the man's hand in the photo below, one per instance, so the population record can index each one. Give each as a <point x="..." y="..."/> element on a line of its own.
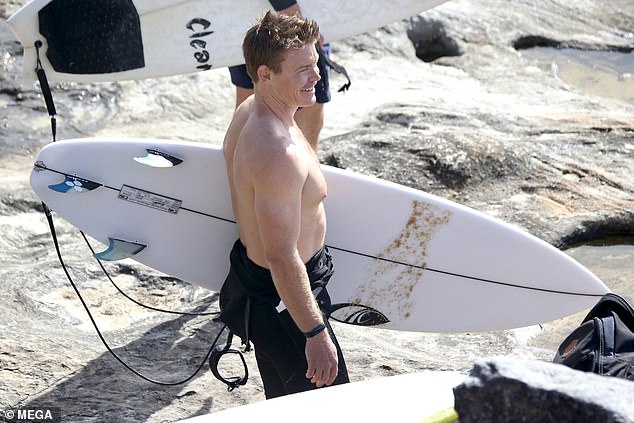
<point x="323" y="363"/>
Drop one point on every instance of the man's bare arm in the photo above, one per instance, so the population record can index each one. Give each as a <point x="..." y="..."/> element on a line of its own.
<point x="279" y="181"/>
<point x="279" y="178"/>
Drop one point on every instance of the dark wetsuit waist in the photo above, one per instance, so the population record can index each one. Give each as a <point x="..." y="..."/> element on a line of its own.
<point x="258" y="281"/>
<point x="313" y="266"/>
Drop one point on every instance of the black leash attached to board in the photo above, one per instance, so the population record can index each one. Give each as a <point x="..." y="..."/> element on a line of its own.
<point x="214" y="354"/>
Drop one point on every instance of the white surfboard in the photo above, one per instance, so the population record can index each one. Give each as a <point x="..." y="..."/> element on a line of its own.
<point x="406" y="398"/>
<point x="111" y="40"/>
<point x="404" y="259"/>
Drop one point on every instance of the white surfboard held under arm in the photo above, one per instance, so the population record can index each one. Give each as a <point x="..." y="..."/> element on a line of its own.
<point x="110" y="40"/>
<point x="404" y="259"/>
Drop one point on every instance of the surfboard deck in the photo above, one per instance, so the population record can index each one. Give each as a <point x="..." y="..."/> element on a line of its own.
<point x="404" y="259"/>
<point x="414" y="397"/>
<point x="111" y="40"/>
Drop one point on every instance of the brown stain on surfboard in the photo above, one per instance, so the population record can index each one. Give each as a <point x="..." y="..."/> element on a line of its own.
<point x="409" y="246"/>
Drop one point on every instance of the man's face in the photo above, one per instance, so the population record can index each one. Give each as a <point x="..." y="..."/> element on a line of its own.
<point x="295" y="84"/>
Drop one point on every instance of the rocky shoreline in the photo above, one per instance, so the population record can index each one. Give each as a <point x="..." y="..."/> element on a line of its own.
<point x="502" y="389"/>
<point x="481" y="125"/>
<point x="521" y="145"/>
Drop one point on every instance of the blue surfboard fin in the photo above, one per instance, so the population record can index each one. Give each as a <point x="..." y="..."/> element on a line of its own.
<point x="74" y="184"/>
<point x="119" y="249"/>
<point x="155" y="158"/>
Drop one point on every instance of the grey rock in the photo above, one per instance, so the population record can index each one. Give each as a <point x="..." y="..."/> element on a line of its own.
<point x="488" y="128"/>
<point x="510" y="390"/>
<point x="430" y="39"/>
<point x="519" y="144"/>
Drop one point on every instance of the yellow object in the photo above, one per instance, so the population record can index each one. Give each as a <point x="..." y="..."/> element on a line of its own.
<point x="448" y="415"/>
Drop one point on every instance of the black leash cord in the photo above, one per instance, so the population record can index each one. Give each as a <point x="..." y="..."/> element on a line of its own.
<point x="105" y="272"/>
<point x="49" y="218"/>
<point x="46" y="90"/>
<point x="50" y="107"/>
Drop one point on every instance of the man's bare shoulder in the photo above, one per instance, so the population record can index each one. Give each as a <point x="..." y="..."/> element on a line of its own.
<point x="265" y="138"/>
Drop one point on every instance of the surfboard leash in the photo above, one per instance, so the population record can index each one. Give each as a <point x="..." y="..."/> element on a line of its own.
<point x="135" y="301"/>
<point x="215" y="352"/>
<point x="49" y="218"/>
<point x="46" y="90"/>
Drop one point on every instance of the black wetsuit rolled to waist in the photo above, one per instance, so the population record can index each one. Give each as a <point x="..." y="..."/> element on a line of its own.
<point x="249" y="283"/>
<point x="248" y="301"/>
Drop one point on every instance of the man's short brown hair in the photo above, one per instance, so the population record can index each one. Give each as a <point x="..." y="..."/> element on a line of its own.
<point x="273" y="35"/>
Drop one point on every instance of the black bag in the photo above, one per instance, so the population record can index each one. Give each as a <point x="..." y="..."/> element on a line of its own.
<point x="604" y="342"/>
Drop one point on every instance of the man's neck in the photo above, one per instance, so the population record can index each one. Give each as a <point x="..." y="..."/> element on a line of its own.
<point x="278" y="108"/>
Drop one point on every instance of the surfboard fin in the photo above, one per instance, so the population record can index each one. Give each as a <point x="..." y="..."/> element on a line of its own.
<point x="155" y="158"/>
<point x="119" y="249"/>
<point x="74" y="184"/>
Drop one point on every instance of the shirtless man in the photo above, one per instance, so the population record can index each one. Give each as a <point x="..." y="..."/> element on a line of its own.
<point x="309" y="119"/>
<point x="277" y="191"/>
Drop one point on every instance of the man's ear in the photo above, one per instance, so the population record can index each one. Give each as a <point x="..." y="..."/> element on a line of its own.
<point x="264" y="73"/>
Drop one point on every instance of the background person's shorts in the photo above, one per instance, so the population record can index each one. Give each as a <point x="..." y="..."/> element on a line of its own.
<point x="240" y="78"/>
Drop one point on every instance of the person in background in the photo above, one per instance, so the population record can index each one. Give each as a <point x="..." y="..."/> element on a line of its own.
<point x="276" y="286"/>
<point x="309" y="119"/>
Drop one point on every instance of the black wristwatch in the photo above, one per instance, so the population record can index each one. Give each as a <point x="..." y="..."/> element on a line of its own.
<point x="318" y="329"/>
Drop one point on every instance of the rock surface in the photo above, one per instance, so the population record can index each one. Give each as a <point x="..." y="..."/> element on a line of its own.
<point x="493" y="129"/>
<point x="501" y="390"/>
<point x="483" y="125"/>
